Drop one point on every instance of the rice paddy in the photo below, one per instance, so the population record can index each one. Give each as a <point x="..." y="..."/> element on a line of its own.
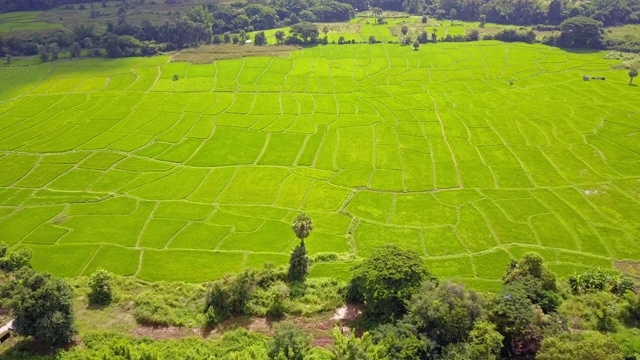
<point x="24" y="21"/>
<point x="469" y="153"/>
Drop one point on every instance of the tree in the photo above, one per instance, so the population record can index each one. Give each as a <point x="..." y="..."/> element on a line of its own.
<point x="423" y="38"/>
<point x="581" y="32"/>
<point x="554" y="12"/>
<point x="485" y="342"/>
<point x="75" y="50"/>
<point x="513" y="314"/>
<point x="325" y="30"/>
<point x="54" y="49"/>
<point x="306" y="31"/>
<point x="355" y="348"/>
<point x="434" y="35"/>
<point x="302" y="226"/>
<point x="424" y="19"/>
<point x="387" y="280"/>
<point x="483" y="20"/>
<point x="404" y="30"/>
<point x="416" y="45"/>
<point x="280" y="36"/>
<point x="101" y="282"/>
<point x="452" y="15"/>
<point x="88" y="43"/>
<point x="298" y="263"/>
<point x="16" y="259"/>
<point x="42" y="306"/>
<point x="377" y="12"/>
<point x="260" y="39"/>
<point x="227" y="38"/>
<point x="289" y="342"/>
<point x="632" y="74"/>
<point x="372" y="39"/>
<point x="200" y="15"/>
<point x="43" y="53"/>
<point x="594" y="346"/>
<point x="445" y="313"/>
<point x="532" y="265"/>
<point x="401" y="340"/>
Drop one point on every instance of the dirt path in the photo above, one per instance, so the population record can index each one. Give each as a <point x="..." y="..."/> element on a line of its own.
<point x="7" y="327"/>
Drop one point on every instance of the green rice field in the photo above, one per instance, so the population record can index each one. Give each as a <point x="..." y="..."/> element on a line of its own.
<point x="24" y="21"/>
<point x="469" y="153"/>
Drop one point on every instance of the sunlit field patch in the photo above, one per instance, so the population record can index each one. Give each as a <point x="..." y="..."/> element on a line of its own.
<point x="468" y="153"/>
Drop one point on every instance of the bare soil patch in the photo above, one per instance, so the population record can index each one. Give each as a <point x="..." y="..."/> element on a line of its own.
<point x="210" y="53"/>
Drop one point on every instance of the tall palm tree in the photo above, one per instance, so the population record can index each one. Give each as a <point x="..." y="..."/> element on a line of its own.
<point x="302" y="226"/>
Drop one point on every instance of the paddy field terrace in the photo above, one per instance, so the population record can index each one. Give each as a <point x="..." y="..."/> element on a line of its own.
<point x="469" y="153"/>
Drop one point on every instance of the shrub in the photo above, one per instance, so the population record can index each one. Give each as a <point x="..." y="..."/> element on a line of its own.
<point x="101" y="282"/>
<point x="289" y="342"/>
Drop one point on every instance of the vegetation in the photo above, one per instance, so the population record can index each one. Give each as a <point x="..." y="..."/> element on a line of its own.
<point x="386" y="281"/>
<point x="101" y="283"/>
<point x="41" y="305"/>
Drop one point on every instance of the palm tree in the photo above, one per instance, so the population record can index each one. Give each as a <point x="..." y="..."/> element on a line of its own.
<point x="302" y="226"/>
<point x="576" y="284"/>
<point x="632" y="73"/>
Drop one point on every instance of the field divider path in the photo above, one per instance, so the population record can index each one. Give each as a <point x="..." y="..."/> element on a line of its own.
<point x="444" y="135"/>
<point x="93" y="256"/>
<point x="146" y="223"/>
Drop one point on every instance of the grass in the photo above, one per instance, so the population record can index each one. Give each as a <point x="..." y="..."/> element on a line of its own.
<point x="432" y="150"/>
<point x="25" y="21"/>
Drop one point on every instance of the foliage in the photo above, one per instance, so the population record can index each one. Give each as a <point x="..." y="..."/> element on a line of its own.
<point x="230" y="295"/>
<point x="513" y="314"/>
<point x="485" y="342"/>
<point x="512" y="35"/>
<point x="289" y="342"/>
<point x="593" y="311"/>
<point x="581" y="32"/>
<point x="595" y="279"/>
<point x="260" y="39"/>
<point x="16" y="259"/>
<point x="387" y="280"/>
<point x="401" y="340"/>
<point x="532" y="265"/>
<point x="592" y="346"/>
<point x="352" y="347"/>
<point x="305" y="31"/>
<point x="302" y="226"/>
<point x="42" y="307"/>
<point x="445" y="313"/>
<point x="298" y="263"/>
<point x="632" y="74"/>
<point x="101" y="282"/>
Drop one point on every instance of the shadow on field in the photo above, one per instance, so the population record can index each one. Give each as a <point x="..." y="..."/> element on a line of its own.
<point x="580" y="50"/>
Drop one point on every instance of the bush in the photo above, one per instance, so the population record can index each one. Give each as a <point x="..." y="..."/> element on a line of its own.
<point x="474" y="35"/>
<point x="289" y="342"/>
<point x="101" y="282"/>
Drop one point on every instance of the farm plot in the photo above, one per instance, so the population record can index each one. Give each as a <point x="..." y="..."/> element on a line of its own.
<point x="24" y="21"/>
<point x="470" y="154"/>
